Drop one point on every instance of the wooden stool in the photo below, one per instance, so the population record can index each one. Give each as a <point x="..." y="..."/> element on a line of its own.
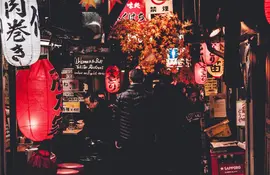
<point x="67" y="172"/>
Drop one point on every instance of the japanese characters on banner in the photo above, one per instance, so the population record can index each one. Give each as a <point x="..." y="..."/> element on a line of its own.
<point x="134" y="10"/>
<point x="174" y="61"/>
<point x="240" y="113"/>
<point x="154" y="7"/>
<point x="200" y="72"/>
<point x="112" y="79"/>
<point x="217" y="69"/>
<point x="207" y="57"/>
<point x="19" y="30"/>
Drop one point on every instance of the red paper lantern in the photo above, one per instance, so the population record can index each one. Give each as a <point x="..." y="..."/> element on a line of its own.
<point x="267" y="10"/>
<point x="39" y="100"/>
<point x="200" y="71"/>
<point x="207" y="57"/>
<point x="112" y="79"/>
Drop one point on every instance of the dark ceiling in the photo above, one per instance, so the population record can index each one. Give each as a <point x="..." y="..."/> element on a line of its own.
<point x="64" y="17"/>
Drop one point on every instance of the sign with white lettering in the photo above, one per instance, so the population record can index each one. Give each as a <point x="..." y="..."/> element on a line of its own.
<point x="230" y="169"/>
<point x="154" y="7"/>
<point x="240" y="113"/>
<point x="88" y="65"/>
<point x="19" y="28"/>
<point x="134" y="10"/>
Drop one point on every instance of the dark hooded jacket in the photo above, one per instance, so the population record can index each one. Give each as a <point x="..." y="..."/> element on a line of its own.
<point x="133" y="116"/>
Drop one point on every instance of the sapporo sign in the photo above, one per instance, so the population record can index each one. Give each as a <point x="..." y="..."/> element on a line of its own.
<point x="230" y="169"/>
<point x="19" y="28"/>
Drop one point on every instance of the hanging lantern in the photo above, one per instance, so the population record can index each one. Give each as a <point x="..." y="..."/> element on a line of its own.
<point x="217" y="69"/>
<point x="19" y="28"/>
<point x="267" y="10"/>
<point x="112" y="79"/>
<point x="39" y="101"/>
<point x="207" y="57"/>
<point x="200" y="72"/>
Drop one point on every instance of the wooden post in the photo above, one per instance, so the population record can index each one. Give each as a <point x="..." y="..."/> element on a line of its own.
<point x="2" y="120"/>
<point x="13" y="120"/>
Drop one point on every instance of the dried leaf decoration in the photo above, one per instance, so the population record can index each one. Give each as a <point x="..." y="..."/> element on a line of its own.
<point x="152" y="39"/>
<point x="88" y="3"/>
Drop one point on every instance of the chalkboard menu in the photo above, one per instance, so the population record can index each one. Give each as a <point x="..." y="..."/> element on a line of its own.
<point x="88" y="65"/>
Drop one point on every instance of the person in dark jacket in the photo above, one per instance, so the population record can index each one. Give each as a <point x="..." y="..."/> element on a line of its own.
<point x="192" y="143"/>
<point x="97" y="118"/>
<point x="133" y="126"/>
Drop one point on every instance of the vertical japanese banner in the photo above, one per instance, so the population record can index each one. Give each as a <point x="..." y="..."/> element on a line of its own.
<point x="155" y="7"/>
<point x="241" y="113"/>
<point x="134" y="10"/>
<point x="19" y="28"/>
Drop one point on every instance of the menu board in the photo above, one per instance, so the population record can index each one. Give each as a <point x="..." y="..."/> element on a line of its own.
<point x="88" y="65"/>
<point x="211" y="87"/>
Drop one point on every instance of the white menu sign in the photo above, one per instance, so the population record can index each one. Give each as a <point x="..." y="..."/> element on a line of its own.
<point x="241" y="113"/>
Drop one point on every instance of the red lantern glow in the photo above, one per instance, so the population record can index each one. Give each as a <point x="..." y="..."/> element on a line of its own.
<point x="200" y="71"/>
<point x="207" y="57"/>
<point x="267" y="10"/>
<point x="39" y="100"/>
<point x="112" y="79"/>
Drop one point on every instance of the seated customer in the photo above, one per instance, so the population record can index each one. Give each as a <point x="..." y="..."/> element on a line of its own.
<point x="96" y="117"/>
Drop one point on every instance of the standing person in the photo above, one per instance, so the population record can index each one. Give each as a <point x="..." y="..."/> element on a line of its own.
<point x="191" y="141"/>
<point x="133" y="127"/>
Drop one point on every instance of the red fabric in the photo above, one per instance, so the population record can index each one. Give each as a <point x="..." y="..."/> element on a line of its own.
<point x="267" y="10"/>
<point x="38" y="100"/>
<point x="42" y="159"/>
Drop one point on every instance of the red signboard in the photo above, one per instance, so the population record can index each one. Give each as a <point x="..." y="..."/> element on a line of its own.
<point x="134" y="10"/>
<point x="231" y="169"/>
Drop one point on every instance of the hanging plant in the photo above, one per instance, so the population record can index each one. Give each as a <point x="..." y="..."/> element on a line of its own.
<point x="152" y="39"/>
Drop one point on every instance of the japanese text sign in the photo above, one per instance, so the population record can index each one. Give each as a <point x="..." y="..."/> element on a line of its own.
<point x="206" y="56"/>
<point x="19" y="28"/>
<point x="240" y="113"/>
<point x="154" y="7"/>
<point x="134" y="10"/>
<point x="217" y="69"/>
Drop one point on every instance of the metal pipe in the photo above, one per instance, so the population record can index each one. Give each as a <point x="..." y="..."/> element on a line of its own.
<point x="195" y="11"/>
<point x="183" y="10"/>
<point x="3" y="120"/>
<point x="13" y="120"/>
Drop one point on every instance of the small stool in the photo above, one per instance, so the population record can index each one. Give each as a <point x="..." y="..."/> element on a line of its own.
<point x="67" y="172"/>
<point x="75" y="166"/>
<point x="70" y="165"/>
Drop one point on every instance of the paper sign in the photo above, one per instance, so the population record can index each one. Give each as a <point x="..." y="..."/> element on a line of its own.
<point x="71" y="107"/>
<point x="211" y="87"/>
<point x="154" y="7"/>
<point x="241" y="113"/>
